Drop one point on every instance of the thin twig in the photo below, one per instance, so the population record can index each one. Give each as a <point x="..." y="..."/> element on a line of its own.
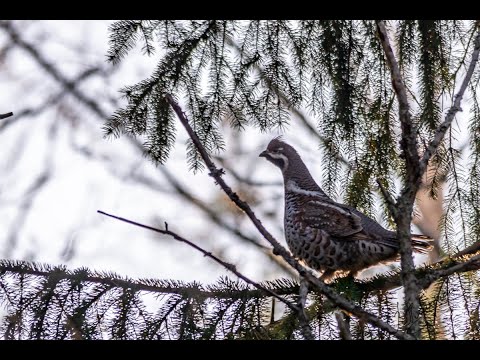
<point x="278" y="249"/>
<point x="472" y="249"/>
<point x="343" y="326"/>
<point x="388" y="198"/>
<point x="445" y="125"/>
<point x="226" y="265"/>
<point x="3" y="116"/>
<point x="471" y="264"/>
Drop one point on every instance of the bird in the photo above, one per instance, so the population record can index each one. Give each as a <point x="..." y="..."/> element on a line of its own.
<point x="332" y="238"/>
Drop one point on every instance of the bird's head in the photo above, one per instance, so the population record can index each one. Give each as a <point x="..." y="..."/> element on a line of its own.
<point x="280" y="154"/>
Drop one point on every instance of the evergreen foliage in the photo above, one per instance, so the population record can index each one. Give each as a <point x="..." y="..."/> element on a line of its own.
<point x="255" y="73"/>
<point x="46" y="302"/>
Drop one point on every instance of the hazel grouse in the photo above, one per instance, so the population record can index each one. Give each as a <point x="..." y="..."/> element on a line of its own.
<point x="329" y="236"/>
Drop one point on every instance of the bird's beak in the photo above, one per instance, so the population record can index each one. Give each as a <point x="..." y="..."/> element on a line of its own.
<point x="263" y="154"/>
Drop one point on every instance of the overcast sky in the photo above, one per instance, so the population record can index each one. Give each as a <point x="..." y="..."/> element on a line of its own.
<point x="57" y="222"/>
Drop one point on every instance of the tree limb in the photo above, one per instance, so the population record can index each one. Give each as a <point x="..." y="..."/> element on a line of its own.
<point x="388" y="198"/>
<point x="404" y="204"/>
<point x="445" y="125"/>
<point x="68" y="85"/>
<point x="26" y="268"/>
<point x="278" y="249"/>
<point x="302" y="315"/>
<point x="226" y="265"/>
<point x="4" y="116"/>
<point x="343" y="326"/>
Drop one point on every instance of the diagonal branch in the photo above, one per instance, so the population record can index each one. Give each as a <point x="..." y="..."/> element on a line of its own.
<point x="445" y="125"/>
<point x="404" y="204"/>
<point x="4" y="116"/>
<point x="388" y="198"/>
<point x="278" y="249"/>
<point x="305" y="328"/>
<point x="226" y="265"/>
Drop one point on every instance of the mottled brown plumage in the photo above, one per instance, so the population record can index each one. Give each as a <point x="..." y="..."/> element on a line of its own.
<point x="329" y="236"/>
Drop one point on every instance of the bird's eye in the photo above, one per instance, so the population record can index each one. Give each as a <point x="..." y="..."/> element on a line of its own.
<point x="279" y="150"/>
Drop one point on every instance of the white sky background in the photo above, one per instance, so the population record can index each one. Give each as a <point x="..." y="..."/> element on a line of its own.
<point x="62" y="225"/>
<point x="63" y="216"/>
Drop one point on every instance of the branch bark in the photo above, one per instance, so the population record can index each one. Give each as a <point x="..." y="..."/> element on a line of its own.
<point x="404" y="204"/>
<point x="343" y="329"/>
<point x="226" y="265"/>
<point x="415" y="168"/>
<point x="278" y="249"/>
<point x="4" y="116"/>
<point x="445" y="125"/>
<point x="302" y="315"/>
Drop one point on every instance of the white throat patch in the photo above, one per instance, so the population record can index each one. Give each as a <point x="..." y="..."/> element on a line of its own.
<point x="283" y="157"/>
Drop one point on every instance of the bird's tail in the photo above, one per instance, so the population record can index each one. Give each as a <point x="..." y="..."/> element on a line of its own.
<point x="422" y="243"/>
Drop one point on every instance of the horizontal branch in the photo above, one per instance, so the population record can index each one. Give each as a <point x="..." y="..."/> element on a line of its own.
<point x="278" y="249"/>
<point x="148" y="285"/>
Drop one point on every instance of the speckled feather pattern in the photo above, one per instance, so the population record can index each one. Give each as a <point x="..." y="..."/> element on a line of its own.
<point x="311" y="242"/>
<point x="326" y="235"/>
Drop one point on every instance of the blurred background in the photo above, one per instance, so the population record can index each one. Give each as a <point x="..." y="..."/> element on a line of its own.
<point x="57" y="169"/>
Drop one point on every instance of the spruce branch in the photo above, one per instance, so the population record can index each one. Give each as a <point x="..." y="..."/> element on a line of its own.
<point x="226" y="265"/>
<point x="147" y="285"/>
<point x="284" y="98"/>
<point x="445" y="125"/>
<point x="278" y="249"/>
<point x="388" y="198"/>
<point x="404" y="204"/>
<point x="457" y="263"/>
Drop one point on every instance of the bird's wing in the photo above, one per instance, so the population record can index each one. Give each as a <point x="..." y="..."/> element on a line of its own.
<point x="333" y="218"/>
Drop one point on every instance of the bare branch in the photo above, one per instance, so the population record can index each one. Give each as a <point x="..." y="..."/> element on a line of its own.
<point x="52" y="100"/>
<point x="302" y="315"/>
<point x="404" y="204"/>
<point x="426" y="276"/>
<point x="226" y="265"/>
<point x="4" y="116"/>
<point x="343" y="326"/>
<point x="388" y="198"/>
<point x="245" y="179"/>
<point x="278" y="249"/>
<point x="445" y="125"/>
<point x="472" y="249"/>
